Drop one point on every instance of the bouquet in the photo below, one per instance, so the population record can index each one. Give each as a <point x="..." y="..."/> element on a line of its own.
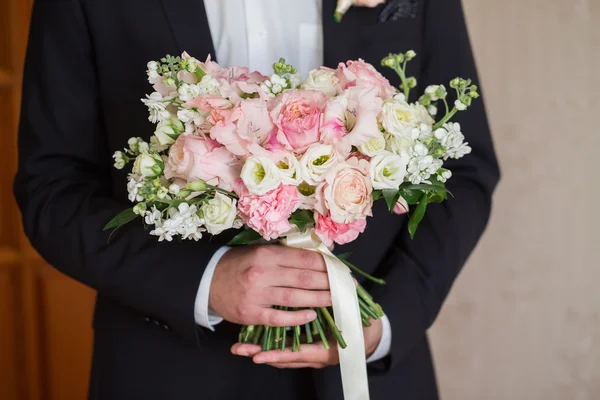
<point x="281" y="156"/>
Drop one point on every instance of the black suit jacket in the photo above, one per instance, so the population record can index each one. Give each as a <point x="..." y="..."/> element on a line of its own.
<point x="84" y="77"/>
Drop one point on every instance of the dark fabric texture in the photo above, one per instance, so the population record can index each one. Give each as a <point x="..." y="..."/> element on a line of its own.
<point x="84" y="77"/>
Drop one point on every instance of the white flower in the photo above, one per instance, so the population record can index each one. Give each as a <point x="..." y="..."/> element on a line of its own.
<point x="444" y="175"/>
<point x="148" y="165"/>
<point x="289" y="168"/>
<point x="134" y="144"/>
<point x="387" y="170"/>
<point x="187" y="115"/>
<point x="260" y="175"/>
<point x="133" y="187"/>
<point x="399" y="145"/>
<point x="374" y="146"/>
<point x="452" y="139"/>
<point x="422" y="165"/>
<point x="436" y="92"/>
<point x="155" y="146"/>
<point x="432" y="110"/>
<point x="168" y="130"/>
<point x="219" y="213"/>
<point x="324" y="80"/>
<point x="275" y="85"/>
<point x="157" y="106"/>
<point x="120" y="159"/>
<point x="460" y="106"/>
<point x="209" y="85"/>
<point x="153" y="217"/>
<point x="183" y="221"/>
<point x="188" y="92"/>
<point x="317" y="160"/>
<point x="152" y="72"/>
<point x="402" y="119"/>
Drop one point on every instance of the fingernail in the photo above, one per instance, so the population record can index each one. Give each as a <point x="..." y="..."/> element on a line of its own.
<point x="259" y="361"/>
<point x="243" y="353"/>
<point x="311" y="315"/>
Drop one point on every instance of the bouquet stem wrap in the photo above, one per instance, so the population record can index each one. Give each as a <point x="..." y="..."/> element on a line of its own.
<point x="353" y="363"/>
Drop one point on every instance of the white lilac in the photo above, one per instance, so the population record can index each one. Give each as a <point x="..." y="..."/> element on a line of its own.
<point x="422" y="165"/>
<point x="183" y="221"/>
<point x="133" y="187"/>
<point x="120" y="159"/>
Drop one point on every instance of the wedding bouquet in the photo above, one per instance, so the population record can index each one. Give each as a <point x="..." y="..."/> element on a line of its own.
<point x="282" y="157"/>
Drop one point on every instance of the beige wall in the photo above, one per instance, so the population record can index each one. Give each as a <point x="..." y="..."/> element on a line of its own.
<point x="523" y="320"/>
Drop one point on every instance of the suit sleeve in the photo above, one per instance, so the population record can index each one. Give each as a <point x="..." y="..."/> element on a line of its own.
<point x="63" y="185"/>
<point x="420" y="272"/>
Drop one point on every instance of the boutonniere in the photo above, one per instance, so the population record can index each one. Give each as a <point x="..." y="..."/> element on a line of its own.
<point x="394" y="9"/>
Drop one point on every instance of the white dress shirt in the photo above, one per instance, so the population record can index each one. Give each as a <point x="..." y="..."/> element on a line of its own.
<point x="256" y="33"/>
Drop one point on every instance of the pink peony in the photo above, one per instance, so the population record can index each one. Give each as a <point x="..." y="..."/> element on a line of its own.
<point x="195" y="157"/>
<point x="345" y="193"/>
<point x="298" y="118"/>
<point x="351" y="118"/>
<point x="330" y="231"/>
<point x="268" y="214"/>
<point x="362" y="74"/>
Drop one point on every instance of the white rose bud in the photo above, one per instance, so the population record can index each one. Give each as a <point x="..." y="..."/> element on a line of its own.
<point x="174" y="189"/>
<point x="148" y="165"/>
<point x="168" y="130"/>
<point x="134" y="144"/>
<point x="323" y="80"/>
<point x="388" y="170"/>
<point x="219" y="213"/>
<point x="373" y="147"/>
<point x="260" y="175"/>
<point x="317" y="160"/>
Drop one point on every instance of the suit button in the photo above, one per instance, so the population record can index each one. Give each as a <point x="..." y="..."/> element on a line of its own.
<point x="147" y="319"/>
<point x="166" y="327"/>
<point x="156" y="323"/>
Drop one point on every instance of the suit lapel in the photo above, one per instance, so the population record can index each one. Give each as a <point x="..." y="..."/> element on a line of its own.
<point x="189" y="25"/>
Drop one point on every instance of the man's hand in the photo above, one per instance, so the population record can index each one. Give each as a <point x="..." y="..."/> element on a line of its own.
<point x="248" y="280"/>
<point x="310" y="355"/>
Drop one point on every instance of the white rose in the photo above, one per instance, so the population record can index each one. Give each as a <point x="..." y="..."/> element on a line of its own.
<point x="148" y="165"/>
<point x="260" y="175"/>
<point x="388" y="170"/>
<point x="317" y="160"/>
<point x="219" y="213"/>
<point x="402" y="119"/>
<point x="323" y="80"/>
<point x="399" y="145"/>
<point x="373" y="147"/>
<point x="168" y="130"/>
<point x="289" y="168"/>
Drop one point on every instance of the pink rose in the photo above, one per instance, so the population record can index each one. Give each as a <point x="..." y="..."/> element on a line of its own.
<point x="298" y="118"/>
<point x="351" y="118"/>
<point x="210" y="102"/>
<point x="268" y="214"/>
<point x="330" y="231"/>
<point x="194" y="157"/>
<point x="346" y="192"/>
<point x="360" y="73"/>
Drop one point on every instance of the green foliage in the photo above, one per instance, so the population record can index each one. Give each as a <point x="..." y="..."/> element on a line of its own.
<point x="247" y="236"/>
<point x="302" y="219"/>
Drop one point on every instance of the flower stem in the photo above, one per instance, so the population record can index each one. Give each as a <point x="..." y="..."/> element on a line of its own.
<point x="368" y="310"/>
<point x="321" y="332"/>
<point x="362" y="273"/>
<point x="445" y="119"/>
<point x="362" y="293"/>
<point x="334" y="329"/>
<point x="258" y="334"/>
<point x="284" y="339"/>
<point x="309" y="338"/>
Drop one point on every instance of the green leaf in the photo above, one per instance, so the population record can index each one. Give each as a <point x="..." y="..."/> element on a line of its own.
<point x="391" y="197"/>
<point x="417" y="216"/>
<point x="245" y="237"/>
<point x="302" y="219"/>
<point x="411" y="196"/>
<point x="121" y="219"/>
<point x="376" y="195"/>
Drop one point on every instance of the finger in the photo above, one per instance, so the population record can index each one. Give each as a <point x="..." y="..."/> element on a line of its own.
<point x="309" y="353"/>
<point x="291" y="257"/>
<point x="298" y="365"/>
<point x="271" y="317"/>
<point x="297" y="297"/>
<point x="301" y="278"/>
<point x="245" y="350"/>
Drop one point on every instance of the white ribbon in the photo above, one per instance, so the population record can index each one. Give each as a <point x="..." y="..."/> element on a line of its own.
<point x="353" y="363"/>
